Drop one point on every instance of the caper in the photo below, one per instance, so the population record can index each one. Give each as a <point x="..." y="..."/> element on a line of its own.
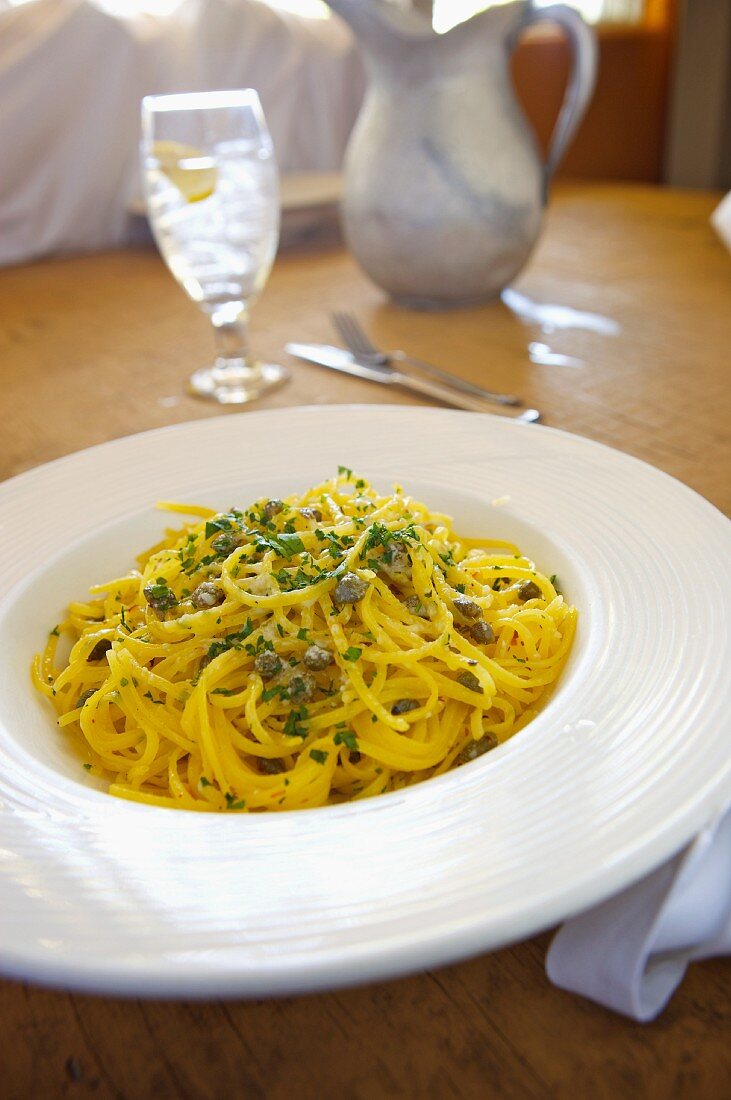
<point x="467" y="608"/>
<point x="271" y="767"/>
<point x="403" y="706"/>
<point x="469" y="680"/>
<point x="482" y="633"/>
<point x="100" y="650"/>
<point x="267" y="664"/>
<point x="302" y="686"/>
<point x="350" y="589"/>
<point x="224" y="543"/>
<point x="207" y="595"/>
<point x="159" y="597"/>
<point x="317" y="658"/>
<point x="473" y="749"/>
<point x="529" y="590"/>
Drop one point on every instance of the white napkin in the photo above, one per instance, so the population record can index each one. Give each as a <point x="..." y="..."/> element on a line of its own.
<point x="630" y="953"/>
<point x="721" y="220"/>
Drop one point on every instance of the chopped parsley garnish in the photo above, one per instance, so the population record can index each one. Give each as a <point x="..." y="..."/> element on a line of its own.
<point x="345" y="472"/>
<point x="88" y="767"/>
<point x="261" y="645"/>
<point x="123" y="682"/>
<point x="293" y="727"/>
<point x="318" y="755"/>
<point x="187" y="555"/>
<point x="205" y="782"/>
<point x="380" y="535"/>
<point x="302" y="634"/>
<point x="230" y="641"/>
<point x="218" y="524"/>
<point x="347" y="738"/>
<point x="55" y="632"/>
<point x="352" y="653"/>
<point x="284" y="545"/>
<point x="290" y="582"/>
<point x="232" y="804"/>
<point x="271" y="693"/>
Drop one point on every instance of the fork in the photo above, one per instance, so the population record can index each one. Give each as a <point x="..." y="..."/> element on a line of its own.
<point x="358" y="342"/>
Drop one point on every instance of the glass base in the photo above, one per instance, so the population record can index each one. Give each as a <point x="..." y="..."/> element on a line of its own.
<point x="237" y="387"/>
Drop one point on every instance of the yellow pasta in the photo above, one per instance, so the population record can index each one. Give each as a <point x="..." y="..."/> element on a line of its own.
<point x="301" y="652"/>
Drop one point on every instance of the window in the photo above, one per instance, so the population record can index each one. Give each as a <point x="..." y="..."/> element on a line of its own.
<point x="449" y="12"/>
<point x="314" y="8"/>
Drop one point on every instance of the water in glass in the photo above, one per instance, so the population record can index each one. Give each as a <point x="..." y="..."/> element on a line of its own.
<point x="211" y="189"/>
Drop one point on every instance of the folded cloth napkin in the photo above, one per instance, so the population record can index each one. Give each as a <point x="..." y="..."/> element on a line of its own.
<point x="721" y="220"/>
<point x="630" y="953"/>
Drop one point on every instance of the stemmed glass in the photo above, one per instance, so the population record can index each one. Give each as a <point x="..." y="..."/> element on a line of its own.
<point x="212" y="194"/>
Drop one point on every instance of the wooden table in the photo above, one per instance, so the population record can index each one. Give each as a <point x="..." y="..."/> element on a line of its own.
<point x="97" y="347"/>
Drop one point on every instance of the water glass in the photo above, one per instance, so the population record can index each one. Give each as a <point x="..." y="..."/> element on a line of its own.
<point x="212" y="196"/>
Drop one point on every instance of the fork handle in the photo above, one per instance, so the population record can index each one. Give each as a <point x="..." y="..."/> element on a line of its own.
<point x="455" y="381"/>
<point x="446" y="394"/>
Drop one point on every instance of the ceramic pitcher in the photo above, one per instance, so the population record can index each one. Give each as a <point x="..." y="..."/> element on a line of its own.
<point x="444" y="186"/>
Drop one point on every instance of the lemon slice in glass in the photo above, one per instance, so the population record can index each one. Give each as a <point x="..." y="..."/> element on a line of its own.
<point x="189" y="169"/>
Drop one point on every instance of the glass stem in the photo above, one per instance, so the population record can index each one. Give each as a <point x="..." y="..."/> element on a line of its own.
<point x="233" y="361"/>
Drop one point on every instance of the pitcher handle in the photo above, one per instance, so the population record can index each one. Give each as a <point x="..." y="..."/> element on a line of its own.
<point x="582" y="80"/>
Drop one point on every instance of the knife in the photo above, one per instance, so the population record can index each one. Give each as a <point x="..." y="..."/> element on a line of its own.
<point x="325" y="355"/>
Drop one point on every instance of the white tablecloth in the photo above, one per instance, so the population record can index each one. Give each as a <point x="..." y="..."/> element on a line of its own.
<point x="71" y="79"/>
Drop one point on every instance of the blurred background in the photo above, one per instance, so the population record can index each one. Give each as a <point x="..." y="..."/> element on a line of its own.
<point x="72" y="73"/>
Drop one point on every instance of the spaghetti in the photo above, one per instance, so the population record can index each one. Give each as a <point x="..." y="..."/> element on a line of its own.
<point x="322" y="648"/>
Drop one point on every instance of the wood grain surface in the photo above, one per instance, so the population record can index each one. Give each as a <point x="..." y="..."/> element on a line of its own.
<point x="97" y="347"/>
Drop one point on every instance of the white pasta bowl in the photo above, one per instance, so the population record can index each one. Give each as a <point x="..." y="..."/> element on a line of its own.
<point x="627" y="759"/>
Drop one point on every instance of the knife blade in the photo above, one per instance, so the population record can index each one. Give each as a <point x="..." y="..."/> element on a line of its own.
<point x="325" y="355"/>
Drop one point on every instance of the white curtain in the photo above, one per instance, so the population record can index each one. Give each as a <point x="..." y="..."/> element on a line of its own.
<point x="71" y="79"/>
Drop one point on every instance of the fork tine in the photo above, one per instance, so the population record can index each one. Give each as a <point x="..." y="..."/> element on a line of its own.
<point x="353" y="334"/>
<point x="340" y="322"/>
<point x="361" y="335"/>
